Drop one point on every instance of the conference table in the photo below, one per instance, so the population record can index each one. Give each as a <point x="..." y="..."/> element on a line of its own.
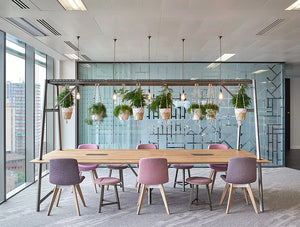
<point x="132" y="156"/>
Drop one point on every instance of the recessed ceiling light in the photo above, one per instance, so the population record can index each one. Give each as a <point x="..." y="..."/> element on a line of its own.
<point x="294" y="6"/>
<point x="259" y="71"/>
<point x="72" y="57"/>
<point x="72" y="5"/>
<point x="224" y="57"/>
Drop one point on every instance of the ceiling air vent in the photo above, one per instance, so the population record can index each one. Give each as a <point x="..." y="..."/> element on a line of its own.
<point x="21" y="4"/>
<point x="48" y="27"/>
<point x="86" y="57"/>
<point x="270" y="27"/>
<point x="71" y="45"/>
<point x="26" y="25"/>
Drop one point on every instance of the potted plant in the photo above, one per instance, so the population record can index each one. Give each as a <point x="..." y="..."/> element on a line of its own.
<point x="122" y="111"/>
<point x="241" y="101"/>
<point x="164" y="102"/>
<point x="97" y="111"/>
<point x="197" y="111"/>
<point x="67" y="104"/>
<point x="136" y="98"/>
<point x="211" y="110"/>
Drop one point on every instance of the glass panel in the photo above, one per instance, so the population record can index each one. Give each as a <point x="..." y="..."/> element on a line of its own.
<point x="15" y="113"/>
<point x="181" y="131"/>
<point x="40" y="76"/>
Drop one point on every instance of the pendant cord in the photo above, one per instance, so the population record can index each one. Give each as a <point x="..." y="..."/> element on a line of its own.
<point x="78" y="37"/>
<point x="220" y="58"/>
<point x="149" y="37"/>
<point x="115" y="40"/>
<point x="183" y="58"/>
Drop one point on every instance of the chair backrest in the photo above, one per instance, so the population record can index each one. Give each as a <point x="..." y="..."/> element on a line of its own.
<point x="218" y="146"/>
<point x="153" y="171"/>
<point x="64" y="171"/>
<point x="146" y="146"/>
<point x="88" y="146"/>
<point x="241" y="170"/>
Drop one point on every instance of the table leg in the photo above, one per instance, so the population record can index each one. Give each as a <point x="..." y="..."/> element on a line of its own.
<point x="260" y="188"/>
<point x="38" y="203"/>
<point x="132" y="170"/>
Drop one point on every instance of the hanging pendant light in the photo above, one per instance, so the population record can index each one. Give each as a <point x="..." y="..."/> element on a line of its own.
<point x="183" y="95"/>
<point x="221" y="96"/>
<point x="115" y="95"/>
<point x="77" y="93"/>
<point x="149" y="95"/>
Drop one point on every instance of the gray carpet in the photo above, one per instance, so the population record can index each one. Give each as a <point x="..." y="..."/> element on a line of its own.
<point x="281" y="196"/>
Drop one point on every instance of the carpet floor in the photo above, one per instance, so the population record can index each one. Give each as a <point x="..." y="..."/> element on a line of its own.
<point x="281" y="197"/>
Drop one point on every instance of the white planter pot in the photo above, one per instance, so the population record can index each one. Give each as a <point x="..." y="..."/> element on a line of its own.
<point x="240" y="114"/>
<point x="210" y="114"/>
<point x="138" y="113"/>
<point x="196" y="114"/>
<point x="123" y="116"/>
<point x="165" y="113"/>
<point x="67" y="113"/>
<point x="97" y="117"/>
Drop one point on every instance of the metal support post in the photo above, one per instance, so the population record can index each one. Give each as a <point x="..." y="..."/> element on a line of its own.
<point x="238" y="143"/>
<point x="59" y="121"/>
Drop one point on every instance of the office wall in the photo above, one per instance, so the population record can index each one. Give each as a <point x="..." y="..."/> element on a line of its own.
<point x="295" y="112"/>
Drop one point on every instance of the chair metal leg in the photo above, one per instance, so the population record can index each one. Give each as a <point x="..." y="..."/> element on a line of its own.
<point x="163" y="194"/>
<point x="149" y="196"/>
<point x="189" y="172"/>
<point x="58" y="197"/>
<point x="213" y="181"/>
<point x="117" y="197"/>
<point x="224" y="194"/>
<point x="191" y="197"/>
<point x="175" y="181"/>
<point x="109" y="175"/>
<point x="209" y="197"/>
<point x="55" y="190"/>
<point x="121" y="179"/>
<point x="80" y="194"/>
<point x="183" y="180"/>
<point x="76" y="200"/>
<point x="197" y="193"/>
<point x="142" y="198"/>
<point x="101" y="198"/>
<point x="229" y="199"/>
<point x="252" y="198"/>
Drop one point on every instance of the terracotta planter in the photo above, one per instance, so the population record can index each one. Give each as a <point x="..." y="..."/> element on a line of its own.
<point x="67" y="113"/>
<point x="138" y="113"/>
<point x="165" y="113"/>
<point x="240" y="114"/>
<point x="97" y="117"/>
<point x="196" y="114"/>
<point x="211" y="114"/>
<point x="123" y="116"/>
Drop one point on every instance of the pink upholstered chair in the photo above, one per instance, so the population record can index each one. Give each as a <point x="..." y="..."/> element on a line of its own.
<point x="89" y="167"/>
<point x="119" y="167"/>
<point x="241" y="173"/>
<point x="216" y="167"/>
<point x="153" y="173"/>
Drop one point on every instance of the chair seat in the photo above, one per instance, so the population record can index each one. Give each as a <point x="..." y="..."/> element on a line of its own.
<point x="117" y="166"/>
<point x="107" y="180"/>
<point x="198" y="180"/>
<point x="218" y="167"/>
<point x="87" y="167"/>
<point x="183" y="166"/>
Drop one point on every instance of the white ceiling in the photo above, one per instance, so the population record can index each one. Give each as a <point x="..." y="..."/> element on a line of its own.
<point x="167" y="21"/>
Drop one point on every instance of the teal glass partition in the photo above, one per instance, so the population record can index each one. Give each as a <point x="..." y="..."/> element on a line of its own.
<point x="181" y="131"/>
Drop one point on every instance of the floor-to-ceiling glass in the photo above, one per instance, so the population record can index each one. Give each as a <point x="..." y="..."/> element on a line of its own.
<point x="15" y="113"/>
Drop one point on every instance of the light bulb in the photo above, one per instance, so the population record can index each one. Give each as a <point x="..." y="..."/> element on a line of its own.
<point x="114" y="97"/>
<point x="221" y="96"/>
<point x="78" y="95"/>
<point x="182" y="96"/>
<point x="149" y="96"/>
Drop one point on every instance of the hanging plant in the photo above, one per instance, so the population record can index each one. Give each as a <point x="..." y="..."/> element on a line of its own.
<point x="210" y="107"/>
<point x="196" y="109"/>
<point x="122" y="111"/>
<point x="163" y="103"/>
<point x="97" y="111"/>
<point x="241" y="101"/>
<point x="137" y="100"/>
<point x="67" y="104"/>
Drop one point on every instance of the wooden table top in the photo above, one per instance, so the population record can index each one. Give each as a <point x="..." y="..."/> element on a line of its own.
<point x="131" y="156"/>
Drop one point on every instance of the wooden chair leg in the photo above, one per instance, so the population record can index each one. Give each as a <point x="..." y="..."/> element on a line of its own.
<point x="80" y="194"/>
<point x="229" y="199"/>
<point x="211" y="173"/>
<point x="246" y="196"/>
<point x="93" y="179"/>
<point x="163" y="195"/>
<point x="209" y="197"/>
<point x="224" y="194"/>
<point x="58" y="197"/>
<point x="55" y="190"/>
<point x="175" y="181"/>
<point x="76" y="200"/>
<point x="213" y="181"/>
<point x="252" y="198"/>
<point x="141" y="198"/>
<point x="191" y="196"/>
